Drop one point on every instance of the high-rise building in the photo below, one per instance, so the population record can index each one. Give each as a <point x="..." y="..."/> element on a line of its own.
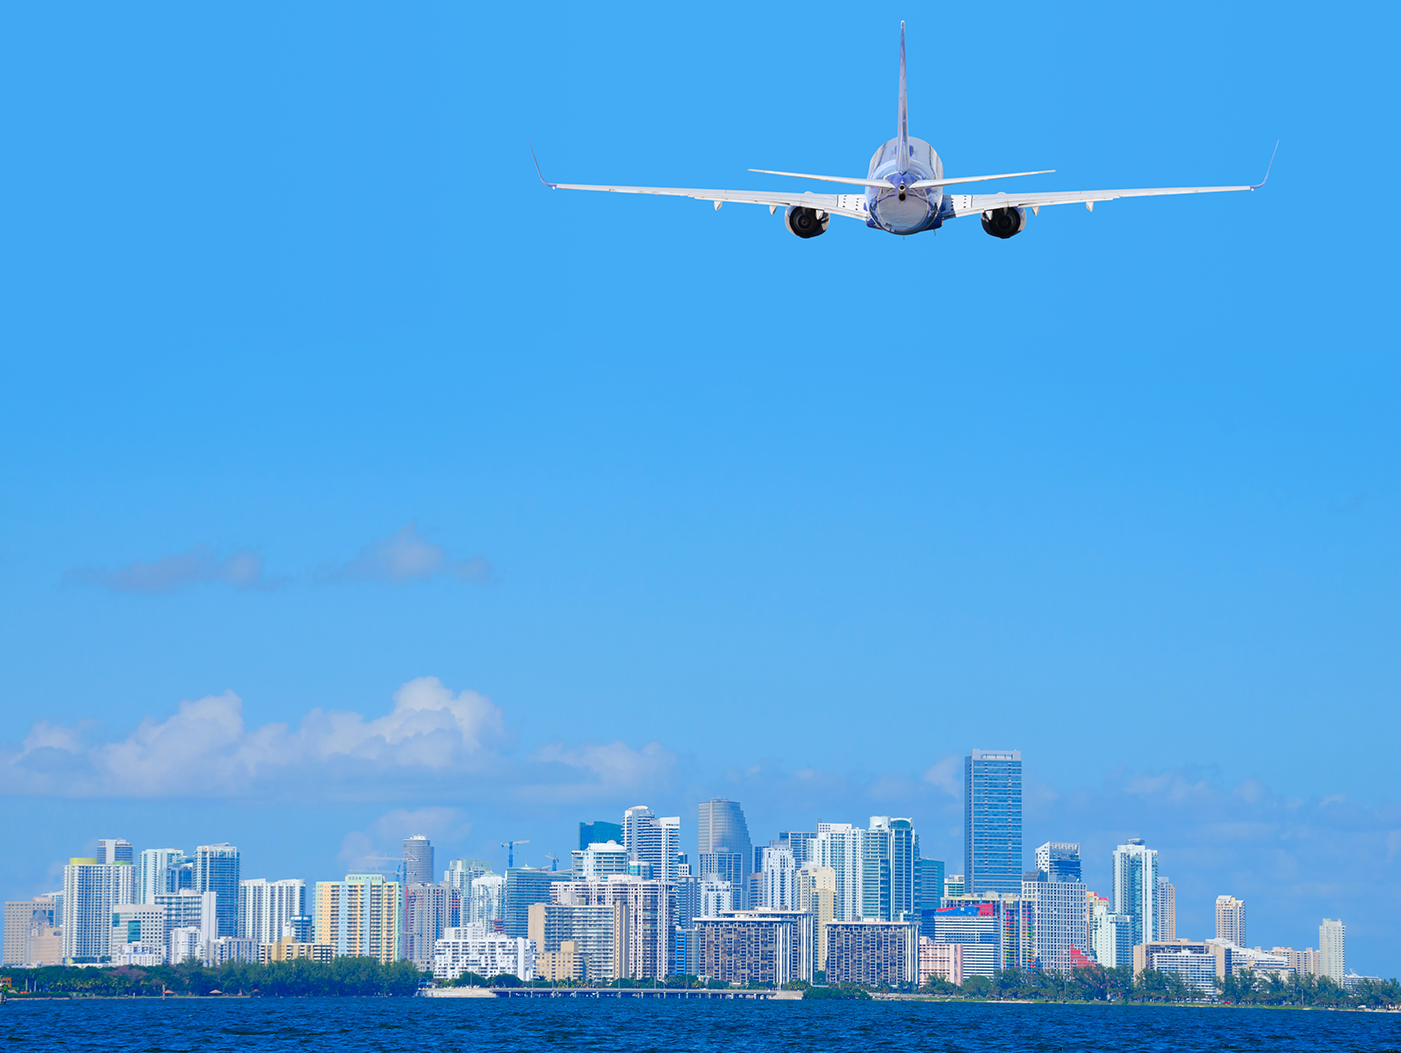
<point x="487" y="903"/>
<point x="24" y="919"/>
<point x="266" y="908"/>
<point x="1057" y="898"/>
<point x="889" y="872"/>
<point x="114" y="850"/>
<point x="931" y="884"/>
<point x="524" y="886"/>
<point x="154" y="874"/>
<point x="217" y="870"/>
<point x="462" y="872"/>
<point x="872" y="951"/>
<point x="954" y="885"/>
<point x="138" y="931"/>
<point x="1059" y="860"/>
<point x="600" y="861"/>
<point x="841" y="847"/>
<point x="1167" y="910"/>
<point x="191" y="923"/>
<point x="425" y="921"/>
<point x="472" y="949"/>
<point x="1230" y="920"/>
<point x="760" y="946"/>
<point x="1136" y="889"/>
<point x="418" y="861"/>
<point x="779" y="871"/>
<point x="599" y="832"/>
<point x="992" y="821"/>
<point x="816" y="888"/>
<point x="1111" y="938"/>
<point x="652" y="840"/>
<point x="1332" y="959"/>
<point x="799" y="842"/>
<point x="360" y="917"/>
<point x="940" y="961"/>
<point x="641" y="920"/>
<point x="723" y="838"/>
<point x="90" y="891"/>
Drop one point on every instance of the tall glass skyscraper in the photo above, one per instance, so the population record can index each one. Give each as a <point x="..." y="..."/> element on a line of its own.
<point x="1136" y="889"/>
<point x="418" y="861"/>
<point x="723" y="841"/>
<point x="992" y="821"/>
<point x="217" y="871"/>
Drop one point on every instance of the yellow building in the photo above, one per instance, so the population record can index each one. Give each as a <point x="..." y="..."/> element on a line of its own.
<point x="816" y="889"/>
<point x="563" y="964"/>
<point x="291" y="951"/>
<point x="361" y="916"/>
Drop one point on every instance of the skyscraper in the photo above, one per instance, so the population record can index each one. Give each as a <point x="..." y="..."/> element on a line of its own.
<point x="1332" y="960"/>
<point x="779" y="875"/>
<point x="153" y="873"/>
<point x="361" y="916"/>
<point x="1167" y="910"/>
<point x="1230" y="920"/>
<point x="723" y="841"/>
<point x="266" y="907"/>
<point x="90" y="891"/>
<point x="114" y="850"/>
<point x="418" y="860"/>
<point x="888" y="870"/>
<point x="1136" y="889"/>
<point x="599" y="832"/>
<point x="1060" y="929"/>
<point x="842" y="847"/>
<point x="217" y="870"/>
<point x="652" y="840"/>
<point x="992" y="821"/>
<point x="931" y="884"/>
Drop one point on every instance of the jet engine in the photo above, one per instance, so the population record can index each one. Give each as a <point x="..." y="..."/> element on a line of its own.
<point x="1004" y="222"/>
<point x="806" y="222"/>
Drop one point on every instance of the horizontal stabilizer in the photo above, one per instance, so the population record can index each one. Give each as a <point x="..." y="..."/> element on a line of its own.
<point x="927" y="184"/>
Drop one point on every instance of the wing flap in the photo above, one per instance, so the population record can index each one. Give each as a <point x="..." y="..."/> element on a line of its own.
<point x="970" y="204"/>
<point x="852" y="205"/>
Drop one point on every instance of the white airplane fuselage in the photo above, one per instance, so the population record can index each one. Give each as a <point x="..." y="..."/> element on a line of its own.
<point x="897" y="208"/>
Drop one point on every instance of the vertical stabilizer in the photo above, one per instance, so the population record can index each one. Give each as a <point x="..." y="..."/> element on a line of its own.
<point x="903" y="135"/>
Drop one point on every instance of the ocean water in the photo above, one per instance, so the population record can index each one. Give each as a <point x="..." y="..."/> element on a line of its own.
<point x="349" y="1025"/>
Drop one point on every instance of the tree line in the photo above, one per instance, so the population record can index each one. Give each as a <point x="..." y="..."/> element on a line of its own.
<point x="339" y="977"/>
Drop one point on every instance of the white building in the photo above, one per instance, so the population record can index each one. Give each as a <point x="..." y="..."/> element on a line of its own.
<point x="1136" y="889"/>
<point x="1167" y="910"/>
<point x="153" y="872"/>
<point x="779" y="871"/>
<point x="1059" y="928"/>
<point x="90" y="891"/>
<point x="1230" y="920"/>
<point x="841" y="846"/>
<point x="188" y="909"/>
<point x="474" y="949"/>
<point x="1332" y="960"/>
<point x="1111" y="940"/>
<point x="183" y="943"/>
<point x="134" y="923"/>
<point x="1235" y="959"/>
<point x="1195" y="965"/>
<point x="144" y="954"/>
<point x="715" y="895"/>
<point x="488" y="901"/>
<point x="266" y="907"/>
<point x="600" y="860"/>
<point x="230" y="949"/>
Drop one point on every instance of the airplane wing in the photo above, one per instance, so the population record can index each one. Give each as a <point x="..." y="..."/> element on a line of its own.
<point x="972" y="204"/>
<point x="853" y="205"/>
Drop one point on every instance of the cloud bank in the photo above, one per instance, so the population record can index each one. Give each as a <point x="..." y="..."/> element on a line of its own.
<point x="432" y="743"/>
<point x="406" y="556"/>
<point x="243" y="569"/>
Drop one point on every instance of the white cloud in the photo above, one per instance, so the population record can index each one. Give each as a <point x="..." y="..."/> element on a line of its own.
<point x="945" y="775"/>
<point x="242" y="569"/>
<point x="603" y="770"/>
<point x="407" y="556"/>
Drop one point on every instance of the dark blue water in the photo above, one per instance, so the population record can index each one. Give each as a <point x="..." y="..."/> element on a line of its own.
<point x="424" y="1025"/>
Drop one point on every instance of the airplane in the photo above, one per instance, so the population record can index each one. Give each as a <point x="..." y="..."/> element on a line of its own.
<point x="904" y="191"/>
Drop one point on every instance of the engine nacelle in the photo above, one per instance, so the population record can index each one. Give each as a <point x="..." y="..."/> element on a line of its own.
<point x="806" y="222"/>
<point x="1004" y="222"/>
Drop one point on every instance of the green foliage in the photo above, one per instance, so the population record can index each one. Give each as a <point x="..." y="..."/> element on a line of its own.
<point x="846" y="992"/>
<point x="339" y="977"/>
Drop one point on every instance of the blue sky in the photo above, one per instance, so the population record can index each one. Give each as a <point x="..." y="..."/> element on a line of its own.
<point x="517" y="508"/>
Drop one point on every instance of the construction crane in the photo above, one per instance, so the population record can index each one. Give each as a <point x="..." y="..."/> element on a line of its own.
<point x="554" y="862"/>
<point x="510" y="847"/>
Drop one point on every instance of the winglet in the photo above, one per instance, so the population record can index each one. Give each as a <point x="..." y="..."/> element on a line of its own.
<point x="1262" y="182"/>
<point x="902" y="145"/>
<point x="552" y="186"/>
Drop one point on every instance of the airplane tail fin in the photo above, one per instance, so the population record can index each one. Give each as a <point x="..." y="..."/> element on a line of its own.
<point x="903" y="135"/>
